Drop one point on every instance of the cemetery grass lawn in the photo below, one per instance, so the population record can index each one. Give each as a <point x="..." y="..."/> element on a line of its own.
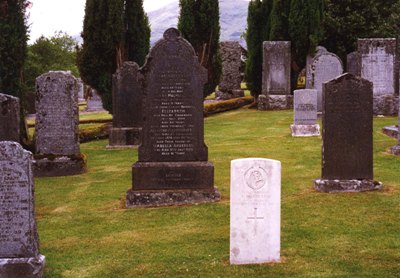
<point x="85" y="231"/>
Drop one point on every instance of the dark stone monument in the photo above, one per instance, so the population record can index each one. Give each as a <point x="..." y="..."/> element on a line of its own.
<point x="379" y="64"/>
<point x="173" y="167"/>
<point x="231" y="56"/>
<point x="305" y="114"/>
<point x="127" y="107"/>
<point x="19" y="241"/>
<point x="347" y="160"/>
<point x="57" y="126"/>
<point x="353" y="63"/>
<point x="276" y="92"/>
<point x="9" y="118"/>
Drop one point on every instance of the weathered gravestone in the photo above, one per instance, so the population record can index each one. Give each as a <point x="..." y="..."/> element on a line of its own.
<point x="9" y="118"/>
<point x="353" y="63"/>
<point x="57" y="126"/>
<point x="19" y="242"/>
<point x="324" y="67"/>
<point x="380" y="66"/>
<point x="127" y="107"/>
<point x="396" y="149"/>
<point x="347" y="160"/>
<point x="305" y="114"/>
<point x="276" y="92"/>
<point x="318" y="51"/>
<point x="81" y="90"/>
<point x="172" y="167"/>
<point x="229" y="86"/>
<point x="94" y="102"/>
<point x="255" y="215"/>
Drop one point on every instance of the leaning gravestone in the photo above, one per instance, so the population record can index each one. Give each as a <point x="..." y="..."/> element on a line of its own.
<point x="305" y="114"/>
<point x="172" y="167"/>
<point x="19" y="242"/>
<point x="231" y="56"/>
<point x="380" y="66"/>
<point x="9" y="118"/>
<point x="255" y="211"/>
<point x="276" y="92"/>
<point x="324" y="67"/>
<point x="353" y="63"/>
<point x="127" y="107"/>
<point x="347" y="160"/>
<point x="57" y="126"/>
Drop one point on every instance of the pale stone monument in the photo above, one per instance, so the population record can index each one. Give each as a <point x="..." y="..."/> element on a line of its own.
<point x="324" y="67"/>
<point x="81" y="90"/>
<point x="276" y="92"/>
<point x="172" y="166"/>
<point x="255" y="211"/>
<point x="231" y="56"/>
<point x="318" y="51"/>
<point x="347" y="145"/>
<point x="19" y="241"/>
<point x="305" y="114"/>
<point x="127" y="107"/>
<point x="9" y="118"/>
<point x="94" y="102"/>
<point x="379" y="64"/>
<point x="57" y="126"/>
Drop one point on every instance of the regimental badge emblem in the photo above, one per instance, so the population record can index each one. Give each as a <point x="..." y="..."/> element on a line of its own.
<point x="255" y="177"/>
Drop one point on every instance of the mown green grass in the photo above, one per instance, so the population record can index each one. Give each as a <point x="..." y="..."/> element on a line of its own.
<point x="85" y="232"/>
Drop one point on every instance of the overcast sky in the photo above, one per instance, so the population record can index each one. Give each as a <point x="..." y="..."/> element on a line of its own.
<point x="49" y="16"/>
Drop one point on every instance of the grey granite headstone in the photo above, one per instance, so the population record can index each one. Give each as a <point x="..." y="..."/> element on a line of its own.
<point x="353" y="63"/>
<point x="276" y="75"/>
<point x="318" y="51"/>
<point x="347" y="160"/>
<point x="94" y="102"/>
<point x="324" y="67"/>
<point x="19" y="242"/>
<point x="380" y="66"/>
<point x="57" y="126"/>
<point x="81" y="90"/>
<point x="9" y="118"/>
<point x="127" y="107"/>
<point x="305" y="114"/>
<point x="173" y="165"/>
<point x="229" y="86"/>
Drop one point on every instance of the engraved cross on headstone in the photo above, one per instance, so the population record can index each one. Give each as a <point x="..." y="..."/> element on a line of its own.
<point x="255" y="217"/>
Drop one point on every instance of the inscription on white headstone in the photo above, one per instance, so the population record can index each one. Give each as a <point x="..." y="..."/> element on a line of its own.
<point x="255" y="211"/>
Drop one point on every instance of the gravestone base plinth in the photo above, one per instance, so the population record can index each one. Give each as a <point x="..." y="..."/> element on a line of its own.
<point x="222" y="95"/>
<point x="172" y="183"/>
<point x="395" y="150"/>
<point x="124" y="137"/>
<point x="58" y="165"/>
<point x="337" y="186"/>
<point x="144" y="199"/>
<point x="387" y="105"/>
<point x="275" y="102"/>
<point x="305" y="130"/>
<point x="22" y="267"/>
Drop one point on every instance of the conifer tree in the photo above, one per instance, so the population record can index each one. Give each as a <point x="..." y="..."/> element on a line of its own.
<point x="113" y="31"/>
<point x="279" y="20"/>
<point x="199" y="24"/>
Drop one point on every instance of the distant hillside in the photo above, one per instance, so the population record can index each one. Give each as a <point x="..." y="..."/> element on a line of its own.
<point x="233" y="20"/>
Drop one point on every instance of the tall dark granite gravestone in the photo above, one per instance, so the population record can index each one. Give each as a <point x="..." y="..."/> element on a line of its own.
<point x="19" y="242"/>
<point x="173" y="165"/>
<point x="276" y="92"/>
<point x="379" y="64"/>
<point x="347" y="160"/>
<point x="9" y="118"/>
<point x="127" y="107"/>
<point x="353" y="63"/>
<point x="229" y="85"/>
<point x="57" y="126"/>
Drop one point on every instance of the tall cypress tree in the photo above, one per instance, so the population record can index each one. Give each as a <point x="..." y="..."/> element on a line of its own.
<point x="199" y="24"/>
<point x="279" y="20"/>
<point x="113" y="31"/>
<point x="13" y="45"/>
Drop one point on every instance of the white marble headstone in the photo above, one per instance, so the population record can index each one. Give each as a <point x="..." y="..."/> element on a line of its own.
<point x="255" y="211"/>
